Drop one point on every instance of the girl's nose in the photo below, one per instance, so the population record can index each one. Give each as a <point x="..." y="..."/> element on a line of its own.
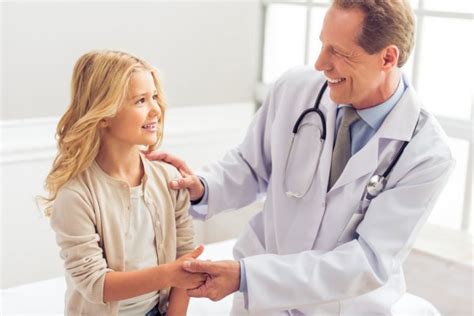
<point x="155" y="109"/>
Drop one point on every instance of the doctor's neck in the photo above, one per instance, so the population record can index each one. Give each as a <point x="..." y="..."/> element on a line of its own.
<point x="383" y="91"/>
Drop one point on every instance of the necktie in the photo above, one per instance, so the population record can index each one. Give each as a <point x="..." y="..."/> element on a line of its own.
<point x="342" y="148"/>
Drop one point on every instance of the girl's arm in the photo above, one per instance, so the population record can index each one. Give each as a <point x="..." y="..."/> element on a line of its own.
<point x="76" y="234"/>
<point x="123" y="285"/>
<point x="178" y="302"/>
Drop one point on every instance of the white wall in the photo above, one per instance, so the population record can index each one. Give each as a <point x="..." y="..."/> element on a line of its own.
<point x="207" y="51"/>
<point x="448" y="285"/>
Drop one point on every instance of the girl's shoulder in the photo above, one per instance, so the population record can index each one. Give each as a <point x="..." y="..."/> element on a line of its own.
<point x="77" y="188"/>
<point x="161" y="169"/>
<point x="73" y="200"/>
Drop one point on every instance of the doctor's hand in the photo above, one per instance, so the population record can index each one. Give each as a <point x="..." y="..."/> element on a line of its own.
<point x="189" y="180"/>
<point x="223" y="278"/>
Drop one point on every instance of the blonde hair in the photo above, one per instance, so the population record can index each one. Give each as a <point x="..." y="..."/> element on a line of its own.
<point x="99" y="85"/>
<point x="386" y="22"/>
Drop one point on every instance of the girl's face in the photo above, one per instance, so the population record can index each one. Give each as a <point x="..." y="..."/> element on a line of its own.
<point x="137" y="120"/>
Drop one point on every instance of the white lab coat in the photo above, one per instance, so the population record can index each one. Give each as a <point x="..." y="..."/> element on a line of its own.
<point x="324" y="253"/>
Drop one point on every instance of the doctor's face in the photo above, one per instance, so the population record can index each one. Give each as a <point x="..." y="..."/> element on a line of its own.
<point x="355" y="77"/>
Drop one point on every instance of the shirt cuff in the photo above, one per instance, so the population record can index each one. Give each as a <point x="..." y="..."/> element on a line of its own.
<point x="243" y="278"/>
<point x="203" y="199"/>
<point x="198" y="209"/>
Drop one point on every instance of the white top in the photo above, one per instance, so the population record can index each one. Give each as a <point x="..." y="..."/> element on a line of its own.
<point x="140" y="250"/>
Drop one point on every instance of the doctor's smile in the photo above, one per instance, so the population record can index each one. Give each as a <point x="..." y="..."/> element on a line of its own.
<point x="334" y="82"/>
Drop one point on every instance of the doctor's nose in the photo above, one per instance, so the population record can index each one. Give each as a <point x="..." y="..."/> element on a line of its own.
<point x="322" y="63"/>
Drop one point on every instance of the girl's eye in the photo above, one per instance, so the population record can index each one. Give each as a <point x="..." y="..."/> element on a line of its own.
<point x="155" y="97"/>
<point x="141" y="101"/>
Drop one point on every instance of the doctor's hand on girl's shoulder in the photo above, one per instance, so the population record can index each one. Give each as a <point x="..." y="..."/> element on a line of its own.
<point x="180" y="278"/>
<point x="189" y="180"/>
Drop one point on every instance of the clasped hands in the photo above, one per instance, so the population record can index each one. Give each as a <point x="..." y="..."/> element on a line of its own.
<point x="212" y="279"/>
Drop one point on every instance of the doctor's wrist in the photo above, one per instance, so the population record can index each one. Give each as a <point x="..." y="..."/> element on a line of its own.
<point x="243" y="278"/>
<point x="198" y="200"/>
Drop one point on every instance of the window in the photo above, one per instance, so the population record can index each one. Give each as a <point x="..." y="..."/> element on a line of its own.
<point x="439" y="65"/>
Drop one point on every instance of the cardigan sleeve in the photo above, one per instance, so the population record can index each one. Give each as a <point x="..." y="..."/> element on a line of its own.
<point x="184" y="222"/>
<point x="73" y="221"/>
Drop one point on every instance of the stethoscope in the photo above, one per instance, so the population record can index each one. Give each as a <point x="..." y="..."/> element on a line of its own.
<point x="376" y="182"/>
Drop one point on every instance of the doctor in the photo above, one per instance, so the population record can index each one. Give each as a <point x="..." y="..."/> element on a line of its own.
<point x="322" y="245"/>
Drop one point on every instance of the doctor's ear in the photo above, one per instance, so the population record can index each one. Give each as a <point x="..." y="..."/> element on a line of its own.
<point x="390" y="55"/>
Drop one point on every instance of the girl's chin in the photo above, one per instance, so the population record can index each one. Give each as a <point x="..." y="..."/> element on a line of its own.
<point x="147" y="144"/>
<point x="142" y="145"/>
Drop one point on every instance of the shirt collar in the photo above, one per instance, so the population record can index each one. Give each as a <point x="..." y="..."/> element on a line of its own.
<point x="375" y="115"/>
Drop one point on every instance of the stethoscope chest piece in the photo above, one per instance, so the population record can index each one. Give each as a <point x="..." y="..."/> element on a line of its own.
<point x="375" y="186"/>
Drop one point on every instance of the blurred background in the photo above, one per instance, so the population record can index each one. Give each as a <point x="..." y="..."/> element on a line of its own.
<point x="217" y="60"/>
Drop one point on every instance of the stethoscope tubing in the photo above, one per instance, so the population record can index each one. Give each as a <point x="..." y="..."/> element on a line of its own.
<point x="316" y="109"/>
<point x="380" y="180"/>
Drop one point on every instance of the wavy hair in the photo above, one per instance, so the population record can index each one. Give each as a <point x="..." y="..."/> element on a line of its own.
<point x="99" y="85"/>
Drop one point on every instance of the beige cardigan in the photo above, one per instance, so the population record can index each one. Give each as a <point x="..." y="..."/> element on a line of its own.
<point x="87" y="215"/>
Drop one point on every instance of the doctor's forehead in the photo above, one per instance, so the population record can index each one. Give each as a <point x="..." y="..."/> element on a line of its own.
<point x="342" y="26"/>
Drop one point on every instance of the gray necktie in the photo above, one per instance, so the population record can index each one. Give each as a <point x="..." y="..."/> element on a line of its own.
<point x="342" y="148"/>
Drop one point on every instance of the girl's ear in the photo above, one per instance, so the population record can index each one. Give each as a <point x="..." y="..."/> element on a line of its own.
<point x="103" y="123"/>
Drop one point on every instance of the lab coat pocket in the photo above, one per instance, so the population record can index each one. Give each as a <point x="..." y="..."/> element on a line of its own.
<point x="349" y="232"/>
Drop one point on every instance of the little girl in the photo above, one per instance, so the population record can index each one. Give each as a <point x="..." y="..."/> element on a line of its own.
<point x="119" y="227"/>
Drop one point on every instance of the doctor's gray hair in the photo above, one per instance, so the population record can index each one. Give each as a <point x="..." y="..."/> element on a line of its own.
<point x="386" y="22"/>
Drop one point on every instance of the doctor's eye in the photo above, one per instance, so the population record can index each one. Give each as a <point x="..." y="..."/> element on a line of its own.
<point x="336" y="53"/>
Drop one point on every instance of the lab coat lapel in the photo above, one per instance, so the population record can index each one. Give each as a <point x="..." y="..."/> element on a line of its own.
<point x="363" y="162"/>
<point x="398" y="125"/>
<point x="401" y="121"/>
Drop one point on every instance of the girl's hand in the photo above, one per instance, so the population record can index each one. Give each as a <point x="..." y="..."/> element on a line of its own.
<point x="193" y="254"/>
<point x="180" y="278"/>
